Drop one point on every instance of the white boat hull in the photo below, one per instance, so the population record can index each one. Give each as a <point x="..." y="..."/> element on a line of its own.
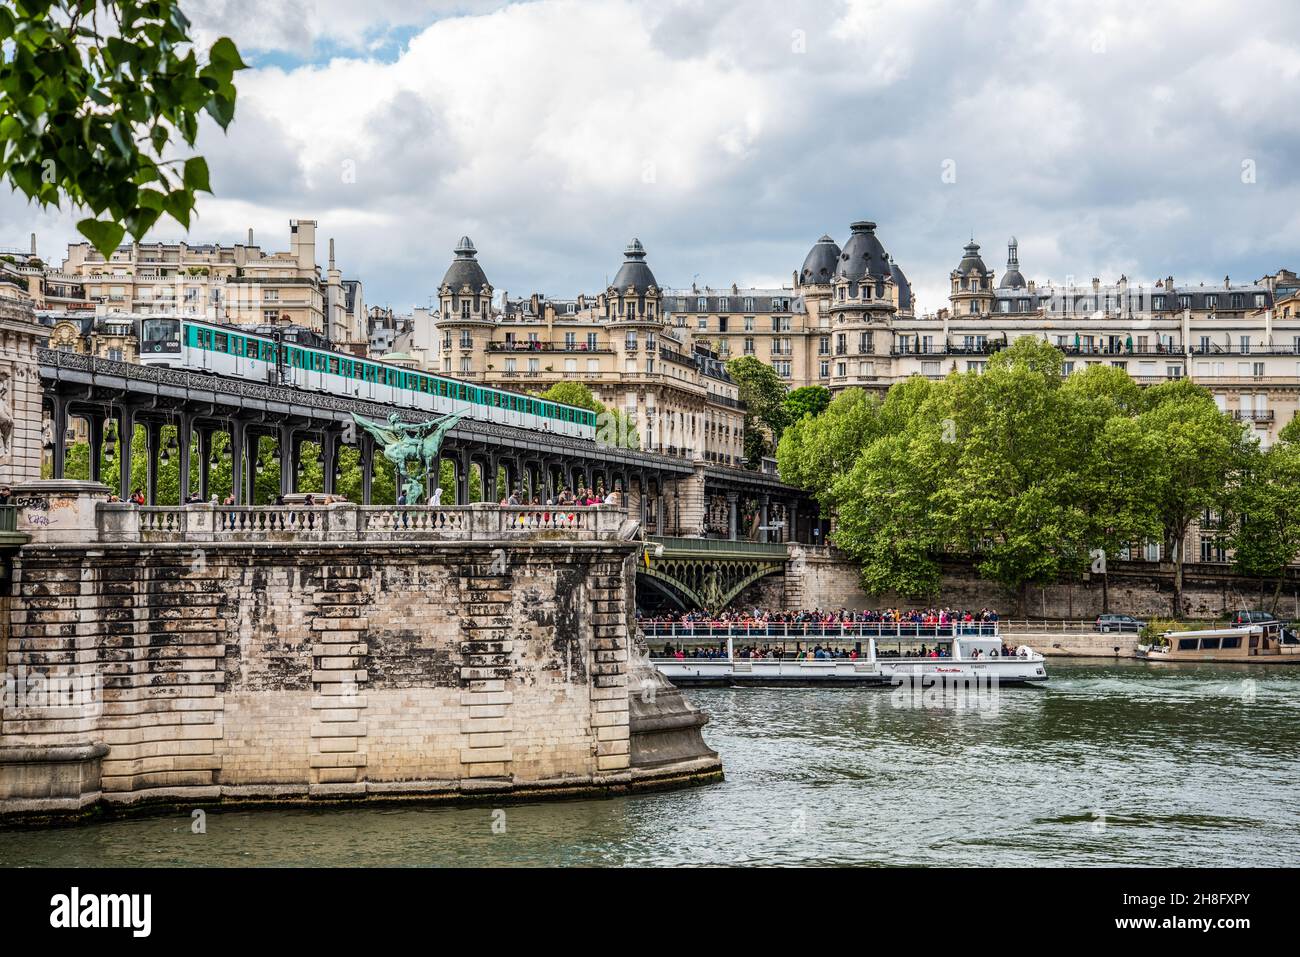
<point x="835" y="671"/>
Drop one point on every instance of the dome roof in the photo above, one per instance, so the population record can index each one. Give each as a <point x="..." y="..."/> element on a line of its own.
<point x="904" y="287"/>
<point x="863" y="255"/>
<point x="464" y="269"/>
<point x="820" y="263"/>
<point x="634" y="272"/>
<point x="971" y="261"/>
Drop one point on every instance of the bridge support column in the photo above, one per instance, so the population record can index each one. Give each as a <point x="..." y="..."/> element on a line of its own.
<point x="329" y="447"/>
<point x="152" y="445"/>
<point x="252" y="455"/>
<point x="792" y="521"/>
<point x="367" y="467"/>
<point x="763" y="502"/>
<point x="462" y="478"/>
<point x="205" y="462"/>
<point x="487" y="478"/>
<point x="59" y="433"/>
<point x="548" y="481"/>
<point x="184" y="434"/>
<point x="731" y="515"/>
<point x="96" y="421"/>
<point x="237" y="462"/>
<point x="284" y="443"/>
<point x="125" y="434"/>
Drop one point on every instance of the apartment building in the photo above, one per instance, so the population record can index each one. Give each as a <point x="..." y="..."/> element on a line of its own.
<point x="239" y="283"/>
<point x="618" y="342"/>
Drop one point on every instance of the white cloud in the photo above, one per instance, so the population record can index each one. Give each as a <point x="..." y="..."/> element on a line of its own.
<point x="1108" y="137"/>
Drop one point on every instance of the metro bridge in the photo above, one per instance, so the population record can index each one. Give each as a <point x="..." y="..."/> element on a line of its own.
<point x="671" y="495"/>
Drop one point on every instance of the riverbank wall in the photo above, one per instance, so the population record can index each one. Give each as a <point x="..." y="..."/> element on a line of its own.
<point x="824" y="578"/>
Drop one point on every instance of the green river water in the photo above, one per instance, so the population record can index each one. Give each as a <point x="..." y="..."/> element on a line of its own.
<point x="1112" y="763"/>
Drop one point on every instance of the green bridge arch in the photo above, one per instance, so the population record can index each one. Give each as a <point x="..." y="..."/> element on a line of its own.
<point x="710" y="573"/>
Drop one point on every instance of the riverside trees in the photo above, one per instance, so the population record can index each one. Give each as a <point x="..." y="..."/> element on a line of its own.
<point x="1032" y="475"/>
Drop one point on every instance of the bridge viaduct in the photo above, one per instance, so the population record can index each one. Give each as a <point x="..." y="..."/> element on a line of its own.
<point x="671" y="495"/>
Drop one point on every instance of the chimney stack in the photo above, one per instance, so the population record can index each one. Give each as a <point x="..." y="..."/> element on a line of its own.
<point x="33" y="244"/>
<point x="250" y="235"/>
<point x="331" y="252"/>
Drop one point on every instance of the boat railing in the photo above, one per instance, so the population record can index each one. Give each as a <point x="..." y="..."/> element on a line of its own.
<point x="801" y="631"/>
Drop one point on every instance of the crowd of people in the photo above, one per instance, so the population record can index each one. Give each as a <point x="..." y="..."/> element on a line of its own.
<point x="567" y="497"/>
<point x="817" y="652"/>
<point x="791" y="621"/>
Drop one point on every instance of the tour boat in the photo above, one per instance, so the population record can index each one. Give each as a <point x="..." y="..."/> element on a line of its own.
<point x="1262" y="643"/>
<point x="965" y="660"/>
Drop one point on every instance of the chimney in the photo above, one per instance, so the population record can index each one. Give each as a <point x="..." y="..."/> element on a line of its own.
<point x="1096" y="283"/>
<point x="250" y="235"/>
<point x="331" y="252"/>
<point x="33" y="244"/>
<point x="1169" y="283"/>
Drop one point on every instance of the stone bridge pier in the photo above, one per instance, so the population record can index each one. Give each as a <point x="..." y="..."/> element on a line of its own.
<point x="207" y="654"/>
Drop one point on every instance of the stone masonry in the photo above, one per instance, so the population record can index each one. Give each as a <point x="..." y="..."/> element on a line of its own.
<point x="257" y="671"/>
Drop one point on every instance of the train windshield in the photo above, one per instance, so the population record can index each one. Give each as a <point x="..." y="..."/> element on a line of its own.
<point x="160" y="335"/>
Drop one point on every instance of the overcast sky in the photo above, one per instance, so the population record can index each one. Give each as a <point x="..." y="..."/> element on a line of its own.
<point x="1147" y="139"/>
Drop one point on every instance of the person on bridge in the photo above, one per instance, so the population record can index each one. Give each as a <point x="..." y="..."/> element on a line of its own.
<point x="436" y="498"/>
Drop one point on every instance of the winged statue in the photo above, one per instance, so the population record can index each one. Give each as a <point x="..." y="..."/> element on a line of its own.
<point x="403" y="441"/>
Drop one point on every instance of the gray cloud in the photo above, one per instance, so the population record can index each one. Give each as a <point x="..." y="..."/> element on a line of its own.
<point x="1106" y="138"/>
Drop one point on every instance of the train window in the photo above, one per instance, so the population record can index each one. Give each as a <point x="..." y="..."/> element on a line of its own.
<point x="238" y="343"/>
<point x="334" y="365"/>
<point x="223" y="342"/>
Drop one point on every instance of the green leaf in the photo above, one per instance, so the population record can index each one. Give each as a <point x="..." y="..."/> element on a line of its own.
<point x="225" y="54"/>
<point x="196" y="175"/>
<point x="104" y="236"/>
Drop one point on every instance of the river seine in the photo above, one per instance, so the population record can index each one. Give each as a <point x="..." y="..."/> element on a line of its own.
<point x="1112" y="763"/>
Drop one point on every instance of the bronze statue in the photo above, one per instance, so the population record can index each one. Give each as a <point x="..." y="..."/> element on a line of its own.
<point x="403" y="441"/>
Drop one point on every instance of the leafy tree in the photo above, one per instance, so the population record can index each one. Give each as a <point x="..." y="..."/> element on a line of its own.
<point x="1267" y="538"/>
<point x="807" y="400"/>
<point x="1193" y="460"/>
<point x="763" y="393"/>
<point x="1105" y="399"/>
<point x="816" y="451"/>
<point x="94" y="91"/>
<point x="572" y="393"/>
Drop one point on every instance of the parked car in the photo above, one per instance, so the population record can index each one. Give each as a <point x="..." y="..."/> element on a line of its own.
<point x="1252" y="617"/>
<point x="1108" y="623"/>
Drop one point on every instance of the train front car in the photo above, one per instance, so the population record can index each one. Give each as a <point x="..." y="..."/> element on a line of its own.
<point x="160" y="341"/>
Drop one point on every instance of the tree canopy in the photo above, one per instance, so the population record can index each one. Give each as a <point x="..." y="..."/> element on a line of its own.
<point x="94" y="92"/>
<point x="766" y="416"/>
<point x="1032" y="475"/>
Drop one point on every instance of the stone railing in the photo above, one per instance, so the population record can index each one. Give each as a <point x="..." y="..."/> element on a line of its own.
<point x="117" y="522"/>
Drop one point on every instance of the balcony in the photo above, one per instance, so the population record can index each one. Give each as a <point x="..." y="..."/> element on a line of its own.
<point x="574" y="349"/>
<point x="1243" y="415"/>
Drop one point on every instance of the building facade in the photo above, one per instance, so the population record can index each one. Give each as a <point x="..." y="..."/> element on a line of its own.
<point x="619" y="342"/>
<point x="239" y="283"/>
